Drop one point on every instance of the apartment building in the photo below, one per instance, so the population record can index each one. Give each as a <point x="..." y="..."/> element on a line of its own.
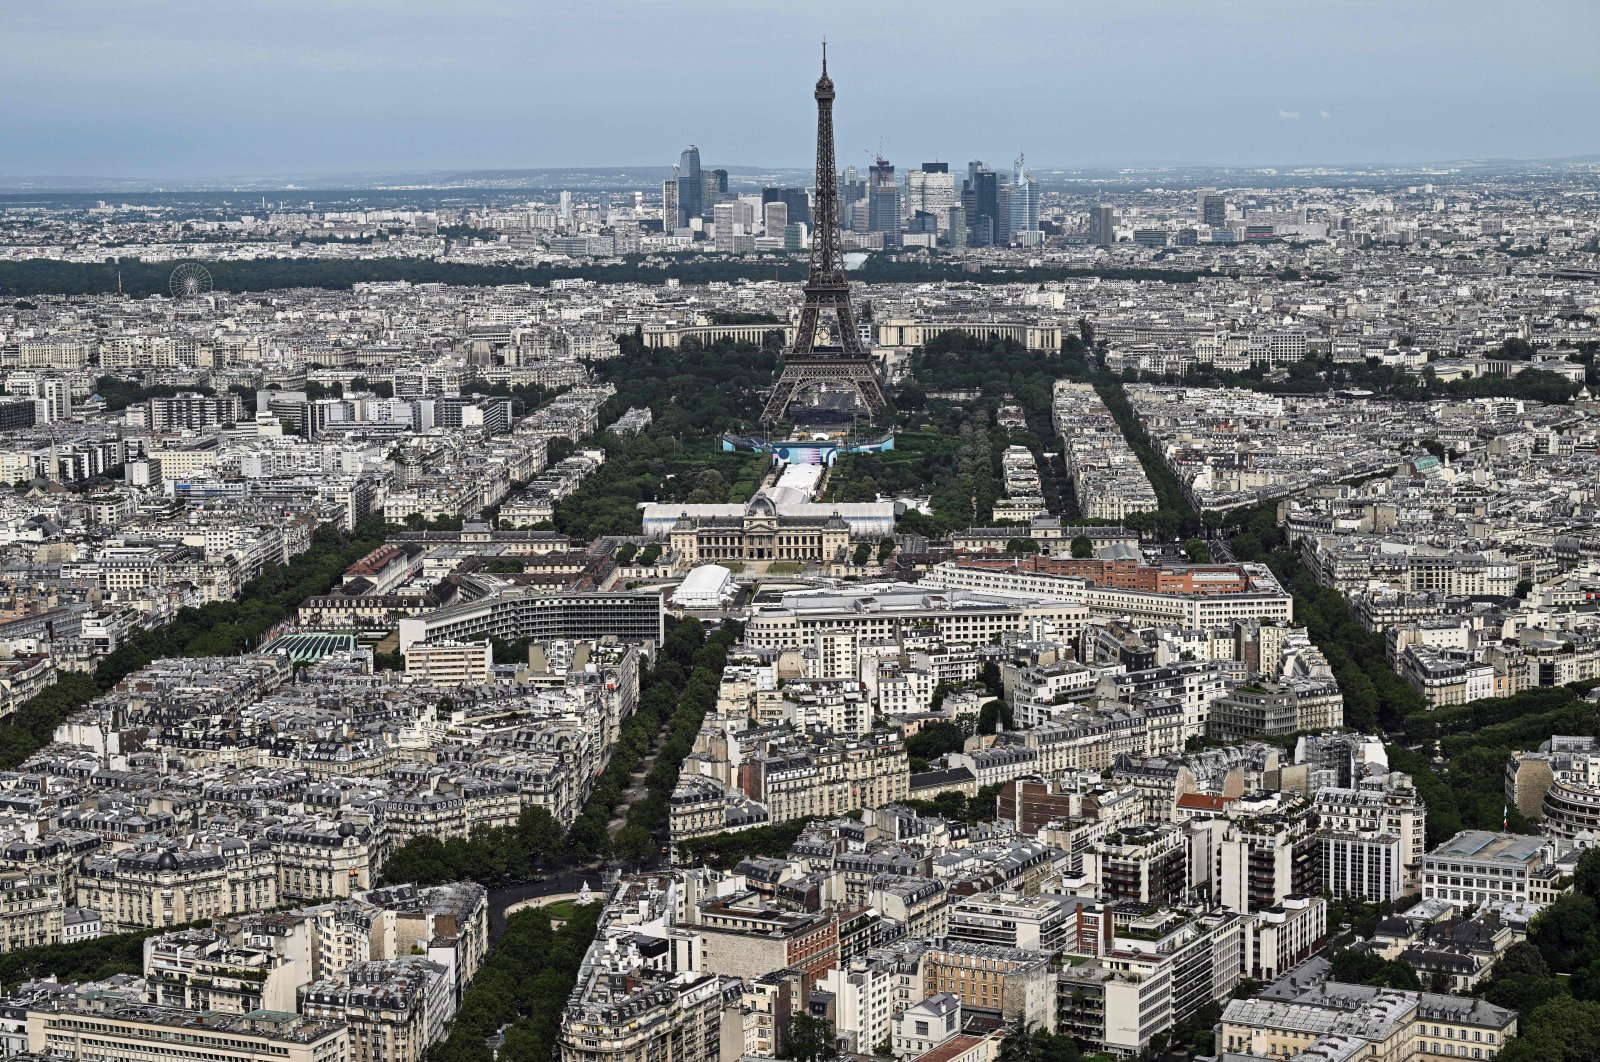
<point x="155" y="886"/>
<point x="827" y="776"/>
<point x="1263" y="852"/>
<point x="888" y="611"/>
<point x="1476" y="867"/>
<point x="109" y="1030"/>
<point x="1334" y="1020"/>
<point x="1278" y="938"/>
<point x="1140" y="864"/>
<point x="394" y="1009"/>
<point x="746" y="936"/>
<point x="1267" y="708"/>
<point x="1163" y="966"/>
<point x="1013" y="984"/>
<point x="863" y="1010"/>
<point x="1446" y="676"/>
<point x="1372" y="836"/>
<point x="446" y="663"/>
<point x="1187" y="601"/>
<point x="226" y="973"/>
<point x="32" y="909"/>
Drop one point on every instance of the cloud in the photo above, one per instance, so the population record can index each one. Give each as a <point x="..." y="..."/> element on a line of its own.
<point x="1288" y="114"/>
<point x="1324" y="114"/>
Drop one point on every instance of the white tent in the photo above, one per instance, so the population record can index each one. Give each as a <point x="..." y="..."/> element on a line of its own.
<point x="708" y="586"/>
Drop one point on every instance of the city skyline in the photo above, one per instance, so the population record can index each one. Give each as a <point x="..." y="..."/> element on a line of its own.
<point x="896" y="606"/>
<point x="149" y="91"/>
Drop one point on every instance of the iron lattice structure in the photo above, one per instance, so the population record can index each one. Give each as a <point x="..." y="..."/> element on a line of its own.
<point x="826" y="289"/>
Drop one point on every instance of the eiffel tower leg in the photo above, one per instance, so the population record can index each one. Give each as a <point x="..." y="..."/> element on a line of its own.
<point x="805" y="337"/>
<point x="848" y="339"/>
<point x="782" y="395"/>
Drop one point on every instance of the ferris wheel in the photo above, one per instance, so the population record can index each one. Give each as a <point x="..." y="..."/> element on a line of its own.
<point x="189" y="280"/>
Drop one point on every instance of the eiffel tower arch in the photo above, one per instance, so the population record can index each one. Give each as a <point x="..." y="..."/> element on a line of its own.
<point x="808" y="366"/>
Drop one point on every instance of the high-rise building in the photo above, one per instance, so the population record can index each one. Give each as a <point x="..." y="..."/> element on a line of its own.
<point x="795" y="199"/>
<point x="669" y="204"/>
<point x="774" y="218"/>
<point x="52" y="393"/>
<point x="716" y="188"/>
<point x="883" y="202"/>
<point x="733" y="218"/>
<point x="989" y="217"/>
<point x="851" y="189"/>
<point x="1024" y="204"/>
<point x="1024" y="210"/>
<point x="931" y="190"/>
<point x="566" y="208"/>
<point x="691" y="187"/>
<point x="1103" y="225"/>
<point x="956" y="227"/>
<point x="1210" y="208"/>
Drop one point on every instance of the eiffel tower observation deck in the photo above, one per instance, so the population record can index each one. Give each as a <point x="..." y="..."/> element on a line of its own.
<point x="808" y="367"/>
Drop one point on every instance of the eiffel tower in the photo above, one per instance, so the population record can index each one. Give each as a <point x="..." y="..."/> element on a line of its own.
<point x="808" y="365"/>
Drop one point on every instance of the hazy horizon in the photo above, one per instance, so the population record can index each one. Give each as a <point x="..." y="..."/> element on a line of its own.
<point x="150" y="90"/>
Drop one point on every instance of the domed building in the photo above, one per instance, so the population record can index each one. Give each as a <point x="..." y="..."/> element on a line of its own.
<point x="761" y="532"/>
<point x="1560" y="785"/>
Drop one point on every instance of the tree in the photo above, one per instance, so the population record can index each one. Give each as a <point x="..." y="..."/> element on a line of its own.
<point x="935" y="740"/>
<point x="1562" y="1030"/>
<point x="1514" y="349"/>
<point x="1362" y="967"/>
<point x="991" y="680"/>
<point x="810" y="1039"/>
<point x="885" y="548"/>
<point x="1586" y="878"/>
<point x="1038" y="1045"/>
<point x="1017" y="1046"/>
<point x="1564" y="933"/>
<point x="985" y="806"/>
<point x="863" y="553"/>
<point x="709" y="488"/>
<point x="1196" y="1030"/>
<point x="1082" y="547"/>
<point x="633" y="843"/>
<point x="1521" y="960"/>
<point x="540" y="832"/>
<point x="1197" y="550"/>
<point x="993" y="715"/>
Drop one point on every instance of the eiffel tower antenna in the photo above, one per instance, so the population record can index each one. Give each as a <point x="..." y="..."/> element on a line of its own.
<point x="826" y="289"/>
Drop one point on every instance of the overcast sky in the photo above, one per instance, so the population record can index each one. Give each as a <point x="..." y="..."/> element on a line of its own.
<point x="151" y="88"/>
